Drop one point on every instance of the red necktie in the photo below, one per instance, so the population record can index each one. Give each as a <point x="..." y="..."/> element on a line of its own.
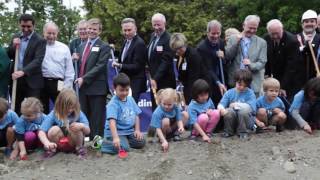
<point x="84" y="59"/>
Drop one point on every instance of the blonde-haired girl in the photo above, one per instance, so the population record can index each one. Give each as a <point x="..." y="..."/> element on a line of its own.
<point x="65" y="127"/>
<point x="167" y="118"/>
<point x="26" y="128"/>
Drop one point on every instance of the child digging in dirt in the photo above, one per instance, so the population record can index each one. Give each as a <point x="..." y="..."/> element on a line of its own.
<point x="65" y="126"/>
<point x="8" y="118"/>
<point x="270" y="108"/>
<point x="168" y="119"/>
<point x="203" y="116"/>
<point x="238" y="105"/>
<point x="305" y="108"/>
<point x="122" y="128"/>
<point x="27" y="127"/>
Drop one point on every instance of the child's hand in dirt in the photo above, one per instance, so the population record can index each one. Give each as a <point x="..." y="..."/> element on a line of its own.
<point x="181" y="129"/>
<point x="260" y="124"/>
<point x="138" y="135"/>
<point x="50" y="146"/>
<point x="165" y="146"/>
<point x="206" y="138"/>
<point x="307" y="128"/>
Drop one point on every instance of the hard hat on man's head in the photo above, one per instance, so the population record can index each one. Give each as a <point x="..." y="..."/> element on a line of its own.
<point x="310" y="14"/>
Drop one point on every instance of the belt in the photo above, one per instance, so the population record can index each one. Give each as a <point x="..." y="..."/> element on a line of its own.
<point x="52" y="79"/>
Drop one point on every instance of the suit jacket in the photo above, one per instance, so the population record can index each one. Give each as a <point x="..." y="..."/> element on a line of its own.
<point x="135" y="59"/>
<point x="161" y="62"/>
<point x="305" y="67"/>
<point x="282" y="59"/>
<point x="210" y="59"/>
<point x="74" y="45"/>
<point x="191" y="72"/>
<point x="257" y="56"/>
<point x="33" y="58"/>
<point x="4" y="72"/>
<point x="95" y="75"/>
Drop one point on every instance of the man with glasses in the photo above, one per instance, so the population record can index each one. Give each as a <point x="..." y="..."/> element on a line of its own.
<point x="31" y="53"/>
<point x="82" y="37"/>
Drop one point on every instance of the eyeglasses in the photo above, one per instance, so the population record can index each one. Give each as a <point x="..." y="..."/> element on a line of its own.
<point x="26" y="26"/>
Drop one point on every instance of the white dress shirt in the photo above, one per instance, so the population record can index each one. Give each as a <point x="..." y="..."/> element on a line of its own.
<point x="57" y="63"/>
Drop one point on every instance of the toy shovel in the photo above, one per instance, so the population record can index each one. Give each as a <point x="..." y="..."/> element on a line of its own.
<point x="122" y="153"/>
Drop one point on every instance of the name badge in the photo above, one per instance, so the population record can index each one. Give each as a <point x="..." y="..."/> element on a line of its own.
<point x="184" y="66"/>
<point x="95" y="49"/>
<point x="60" y="85"/>
<point x="159" y="48"/>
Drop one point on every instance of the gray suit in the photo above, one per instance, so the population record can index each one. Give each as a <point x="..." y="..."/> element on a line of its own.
<point x="258" y="58"/>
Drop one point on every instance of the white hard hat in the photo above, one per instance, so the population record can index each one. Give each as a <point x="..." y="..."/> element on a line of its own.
<point x="310" y="14"/>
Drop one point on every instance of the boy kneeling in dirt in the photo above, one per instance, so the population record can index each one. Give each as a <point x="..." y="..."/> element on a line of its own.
<point x="270" y="108"/>
<point x="122" y="128"/>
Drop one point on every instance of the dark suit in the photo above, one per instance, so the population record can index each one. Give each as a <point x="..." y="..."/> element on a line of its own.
<point x="189" y="70"/>
<point x="161" y="62"/>
<point x="281" y="60"/>
<point x="31" y="83"/>
<point x="94" y="88"/>
<point x="75" y="45"/>
<point x="211" y="67"/>
<point x="133" y="65"/>
<point x="305" y="67"/>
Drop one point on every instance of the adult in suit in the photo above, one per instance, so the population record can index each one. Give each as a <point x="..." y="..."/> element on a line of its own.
<point x="81" y="39"/>
<point x="211" y="50"/>
<point x="305" y="65"/>
<point x="248" y="51"/>
<point x="188" y="64"/>
<point x="133" y="57"/>
<point x="31" y="53"/>
<point x="160" y="56"/>
<point x="92" y="78"/>
<point x="4" y="73"/>
<point x="283" y="52"/>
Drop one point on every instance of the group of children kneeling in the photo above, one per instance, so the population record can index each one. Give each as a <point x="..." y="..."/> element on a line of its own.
<point x="65" y="127"/>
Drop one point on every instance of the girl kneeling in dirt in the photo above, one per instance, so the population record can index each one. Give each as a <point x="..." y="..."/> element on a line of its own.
<point x="203" y="116"/>
<point x="238" y="105"/>
<point x="65" y="127"/>
<point x="168" y="119"/>
<point x="305" y="108"/>
<point x="27" y="127"/>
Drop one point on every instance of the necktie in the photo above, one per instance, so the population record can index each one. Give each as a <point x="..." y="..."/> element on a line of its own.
<point x="151" y="47"/>
<point x="84" y="58"/>
<point x="125" y="49"/>
<point x="245" y="51"/>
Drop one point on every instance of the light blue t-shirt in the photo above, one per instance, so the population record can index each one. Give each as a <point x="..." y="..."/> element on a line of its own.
<point x="52" y="120"/>
<point x="159" y="114"/>
<point x="232" y="95"/>
<point x="297" y="101"/>
<point x="195" y="109"/>
<point x="10" y="118"/>
<point x="124" y="113"/>
<point x="276" y="103"/>
<point x="24" y="125"/>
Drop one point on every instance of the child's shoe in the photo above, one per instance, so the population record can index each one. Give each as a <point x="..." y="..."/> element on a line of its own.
<point x="243" y="136"/>
<point x="48" y="154"/>
<point x="279" y="128"/>
<point x="7" y="151"/>
<point x="226" y="135"/>
<point x="82" y="152"/>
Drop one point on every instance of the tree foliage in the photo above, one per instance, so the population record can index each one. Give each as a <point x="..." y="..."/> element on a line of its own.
<point x="43" y="11"/>
<point x="191" y="16"/>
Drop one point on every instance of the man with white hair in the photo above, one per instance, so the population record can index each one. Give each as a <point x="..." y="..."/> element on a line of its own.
<point x="160" y="56"/>
<point x="211" y="49"/>
<point x="248" y="51"/>
<point x="56" y="66"/>
<point x="282" y="51"/>
<point x="82" y="37"/>
<point x="306" y="64"/>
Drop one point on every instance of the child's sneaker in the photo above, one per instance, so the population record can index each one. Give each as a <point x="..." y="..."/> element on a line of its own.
<point x="48" y="154"/>
<point x="82" y="152"/>
<point x="243" y="136"/>
<point x="226" y="135"/>
<point x="279" y="128"/>
<point x="7" y="151"/>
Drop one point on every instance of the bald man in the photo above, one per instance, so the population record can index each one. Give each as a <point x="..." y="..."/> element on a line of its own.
<point x="282" y="50"/>
<point x="56" y="66"/>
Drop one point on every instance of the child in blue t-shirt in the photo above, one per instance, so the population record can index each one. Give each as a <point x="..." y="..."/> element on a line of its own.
<point x="122" y="127"/>
<point x="27" y="127"/>
<point x="202" y="114"/>
<point x="168" y="119"/>
<point x="8" y="119"/>
<point x="305" y="108"/>
<point x="238" y="105"/>
<point x="65" y="126"/>
<point x="270" y="108"/>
